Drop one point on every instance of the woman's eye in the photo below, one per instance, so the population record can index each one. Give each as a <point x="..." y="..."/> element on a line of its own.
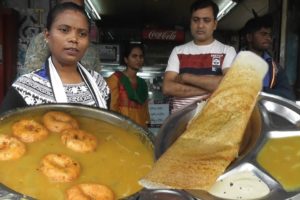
<point x="64" y="30"/>
<point x="83" y="34"/>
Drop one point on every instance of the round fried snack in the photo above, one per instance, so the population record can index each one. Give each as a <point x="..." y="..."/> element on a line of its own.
<point x="29" y="130"/>
<point x="57" y="121"/>
<point x="60" y="168"/>
<point x="89" y="191"/>
<point x="79" y="140"/>
<point x="11" y="148"/>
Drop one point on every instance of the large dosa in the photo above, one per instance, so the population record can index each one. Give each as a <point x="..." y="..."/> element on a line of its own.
<point x="212" y="140"/>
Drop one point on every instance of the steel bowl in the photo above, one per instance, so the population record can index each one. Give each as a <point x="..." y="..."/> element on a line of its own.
<point x="110" y="117"/>
<point x="272" y="113"/>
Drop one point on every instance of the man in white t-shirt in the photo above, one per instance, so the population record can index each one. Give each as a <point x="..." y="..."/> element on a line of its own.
<point x="196" y="68"/>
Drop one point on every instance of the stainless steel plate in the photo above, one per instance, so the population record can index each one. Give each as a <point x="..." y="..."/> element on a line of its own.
<point x="164" y="195"/>
<point x="273" y="115"/>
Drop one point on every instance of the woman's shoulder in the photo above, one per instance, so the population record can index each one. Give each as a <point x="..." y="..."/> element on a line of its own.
<point x="115" y="75"/>
<point x="97" y="77"/>
<point x="35" y="77"/>
<point x="30" y="74"/>
<point x="95" y="74"/>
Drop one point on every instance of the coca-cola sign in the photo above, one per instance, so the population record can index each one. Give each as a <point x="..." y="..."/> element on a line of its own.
<point x="164" y="35"/>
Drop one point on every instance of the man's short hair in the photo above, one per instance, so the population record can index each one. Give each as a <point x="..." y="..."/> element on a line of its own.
<point x="199" y="4"/>
<point x="79" y="2"/>
<point x="257" y="23"/>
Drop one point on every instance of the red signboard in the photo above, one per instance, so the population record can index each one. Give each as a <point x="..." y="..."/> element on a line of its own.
<point x="163" y="35"/>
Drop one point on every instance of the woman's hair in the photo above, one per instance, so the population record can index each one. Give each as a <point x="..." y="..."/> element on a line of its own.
<point x="59" y="8"/>
<point x="129" y="46"/>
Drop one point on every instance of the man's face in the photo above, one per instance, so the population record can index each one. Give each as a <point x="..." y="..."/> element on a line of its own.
<point x="203" y="25"/>
<point x="260" y="40"/>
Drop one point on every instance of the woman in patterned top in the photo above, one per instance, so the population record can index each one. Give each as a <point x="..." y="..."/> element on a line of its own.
<point x="129" y="93"/>
<point x="62" y="79"/>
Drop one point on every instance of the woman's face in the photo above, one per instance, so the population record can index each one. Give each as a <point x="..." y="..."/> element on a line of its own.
<point x="135" y="60"/>
<point x="68" y="37"/>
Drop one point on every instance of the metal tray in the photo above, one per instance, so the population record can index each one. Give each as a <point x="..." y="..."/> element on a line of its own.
<point x="272" y="115"/>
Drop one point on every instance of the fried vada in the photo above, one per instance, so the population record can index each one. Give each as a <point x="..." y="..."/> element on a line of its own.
<point x="11" y="148"/>
<point x="87" y="191"/>
<point x="57" y="121"/>
<point x="29" y="130"/>
<point x="59" y="168"/>
<point x="79" y="140"/>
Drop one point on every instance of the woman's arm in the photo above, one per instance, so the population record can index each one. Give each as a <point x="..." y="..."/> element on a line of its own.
<point x="113" y="84"/>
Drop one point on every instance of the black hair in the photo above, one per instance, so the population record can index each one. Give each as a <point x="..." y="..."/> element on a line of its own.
<point x="256" y="23"/>
<point x="199" y="4"/>
<point x="59" y="8"/>
<point x="128" y="48"/>
<point x="131" y="45"/>
<point x="64" y="1"/>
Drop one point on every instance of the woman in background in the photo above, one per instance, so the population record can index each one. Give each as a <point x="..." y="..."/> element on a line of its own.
<point x="129" y="93"/>
<point x="62" y="79"/>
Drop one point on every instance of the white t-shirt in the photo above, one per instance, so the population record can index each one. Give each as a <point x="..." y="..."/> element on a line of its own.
<point x="209" y="59"/>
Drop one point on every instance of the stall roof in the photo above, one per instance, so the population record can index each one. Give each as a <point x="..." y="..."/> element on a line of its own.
<point x="171" y="12"/>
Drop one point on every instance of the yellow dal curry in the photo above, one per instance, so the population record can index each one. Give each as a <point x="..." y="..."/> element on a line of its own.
<point x="119" y="161"/>
<point x="281" y="158"/>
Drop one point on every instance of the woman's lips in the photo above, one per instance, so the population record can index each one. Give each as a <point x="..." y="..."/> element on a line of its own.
<point x="72" y="51"/>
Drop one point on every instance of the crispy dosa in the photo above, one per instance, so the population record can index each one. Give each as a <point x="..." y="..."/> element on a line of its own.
<point x="212" y="140"/>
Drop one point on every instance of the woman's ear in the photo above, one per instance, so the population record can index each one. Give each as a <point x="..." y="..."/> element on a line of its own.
<point x="46" y="35"/>
<point x="125" y="60"/>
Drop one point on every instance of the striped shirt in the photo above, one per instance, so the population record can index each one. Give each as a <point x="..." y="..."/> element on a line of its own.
<point x="190" y="58"/>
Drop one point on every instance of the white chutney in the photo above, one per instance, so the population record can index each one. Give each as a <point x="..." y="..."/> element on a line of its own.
<point x="240" y="185"/>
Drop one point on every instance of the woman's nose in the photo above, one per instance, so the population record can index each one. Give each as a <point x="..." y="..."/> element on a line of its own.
<point x="141" y="59"/>
<point x="73" y="37"/>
